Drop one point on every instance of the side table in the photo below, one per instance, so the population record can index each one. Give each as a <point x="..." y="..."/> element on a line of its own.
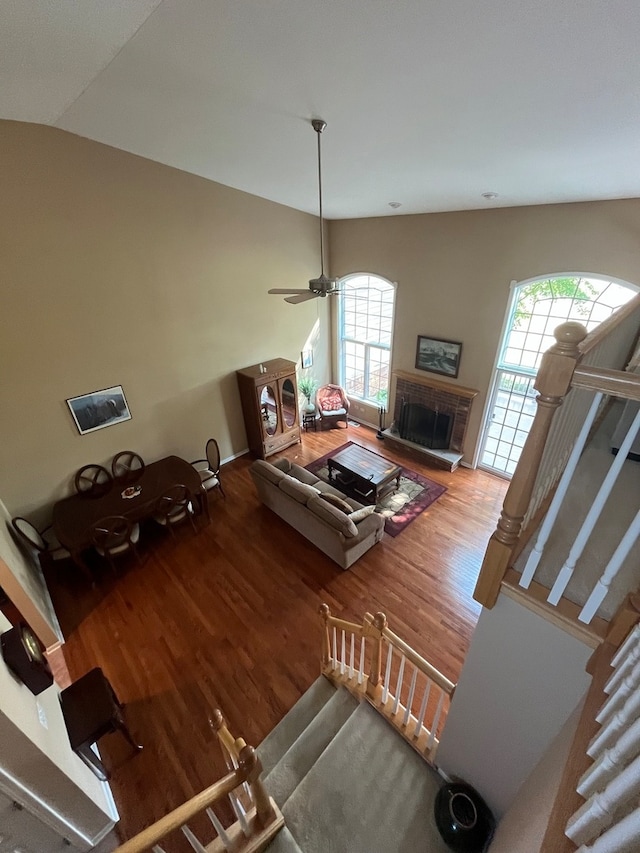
<point x="310" y="421"/>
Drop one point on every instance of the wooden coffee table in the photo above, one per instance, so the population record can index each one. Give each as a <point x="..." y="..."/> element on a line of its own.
<point x="362" y="474"/>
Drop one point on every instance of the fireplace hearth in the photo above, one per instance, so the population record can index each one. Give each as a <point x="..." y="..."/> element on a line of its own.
<point x="424" y="426"/>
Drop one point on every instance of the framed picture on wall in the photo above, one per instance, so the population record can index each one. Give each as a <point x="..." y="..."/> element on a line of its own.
<point x="307" y="358"/>
<point x="438" y="356"/>
<point x="99" y="409"/>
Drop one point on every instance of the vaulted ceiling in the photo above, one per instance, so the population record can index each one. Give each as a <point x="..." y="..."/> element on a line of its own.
<point x="429" y="103"/>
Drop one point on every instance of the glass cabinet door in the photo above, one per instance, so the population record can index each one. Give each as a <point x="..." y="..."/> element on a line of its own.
<point x="289" y="406"/>
<point x="268" y="410"/>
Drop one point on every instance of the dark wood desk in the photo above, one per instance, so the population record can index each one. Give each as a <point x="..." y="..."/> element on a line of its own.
<point x="75" y="517"/>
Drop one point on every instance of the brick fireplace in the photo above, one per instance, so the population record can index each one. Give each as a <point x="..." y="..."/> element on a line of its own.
<point x="427" y="409"/>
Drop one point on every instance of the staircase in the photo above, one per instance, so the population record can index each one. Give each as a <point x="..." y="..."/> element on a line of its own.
<point x="345" y="781"/>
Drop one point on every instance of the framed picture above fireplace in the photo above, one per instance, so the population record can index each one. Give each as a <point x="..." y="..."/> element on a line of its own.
<point x="438" y="356"/>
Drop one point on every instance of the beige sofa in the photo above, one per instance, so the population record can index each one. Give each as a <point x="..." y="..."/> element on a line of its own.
<point x="293" y="493"/>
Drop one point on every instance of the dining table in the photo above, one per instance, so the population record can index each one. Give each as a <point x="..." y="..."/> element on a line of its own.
<point x="135" y="497"/>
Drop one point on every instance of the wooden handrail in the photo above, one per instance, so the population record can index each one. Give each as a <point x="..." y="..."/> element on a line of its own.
<point x="418" y="661"/>
<point x="605" y="328"/>
<point x="618" y="383"/>
<point x="144" y="840"/>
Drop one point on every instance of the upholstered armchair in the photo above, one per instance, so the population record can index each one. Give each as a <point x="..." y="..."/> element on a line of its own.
<point x="333" y="405"/>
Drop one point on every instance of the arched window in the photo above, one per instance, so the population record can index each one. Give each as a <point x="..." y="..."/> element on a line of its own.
<point x="365" y="331"/>
<point x="536" y="308"/>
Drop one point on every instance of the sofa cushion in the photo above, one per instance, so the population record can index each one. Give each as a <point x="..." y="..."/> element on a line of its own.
<point x="358" y="514"/>
<point x="283" y="464"/>
<point x="268" y="471"/>
<point x="302" y="474"/>
<point x="336" y="501"/>
<point x="334" y="517"/>
<point x="295" y="489"/>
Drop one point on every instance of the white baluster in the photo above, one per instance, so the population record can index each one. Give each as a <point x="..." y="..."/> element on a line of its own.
<point x="193" y="841"/>
<point x="631" y="640"/>
<point x="241" y="814"/>
<point x="396" y="704"/>
<point x="387" y="675"/>
<point x="423" y="709"/>
<point x="224" y="838"/>
<point x="611" y="761"/>
<point x="351" y="655"/>
<point x="566" y="572"/>
<point x="412" y="691"/>
<point x="335" y="648"/>
<point x="157" y="849"/>
<point x="614" y="725"/>
<point x="623" y="669"/>
<point x="624" y="837"/>
<point x="598" y="812"/>
<point x="436" y="720"/>
<point x="561" y="491"/>
<point x="600" y="590"/>
<point x="623" y="691"/>
<point x="342" y="656"/>
<point x="361" y="668"/>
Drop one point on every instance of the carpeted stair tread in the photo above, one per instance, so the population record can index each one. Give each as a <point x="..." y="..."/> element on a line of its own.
<point x="284" y="842"/>
<point x="368" y="792"/>
<point x="295" y="721"/>
<point x="307" y="748"/>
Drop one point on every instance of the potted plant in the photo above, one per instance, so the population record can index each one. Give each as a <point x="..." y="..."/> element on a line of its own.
<point x="307" y="386"/>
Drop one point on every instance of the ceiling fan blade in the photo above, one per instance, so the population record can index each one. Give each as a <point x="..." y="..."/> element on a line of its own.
<point x="288" y="290"/>
<point x="301" y="297"/>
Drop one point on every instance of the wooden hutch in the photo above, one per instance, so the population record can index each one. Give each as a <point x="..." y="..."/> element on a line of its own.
<point x="269" y="396"/>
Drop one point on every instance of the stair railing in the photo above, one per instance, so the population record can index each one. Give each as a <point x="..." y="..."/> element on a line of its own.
<point x="373" y="662"/>
<point x="597" y="808"/>
<point x="258" y="818"/>
<point x="576" y="363"/>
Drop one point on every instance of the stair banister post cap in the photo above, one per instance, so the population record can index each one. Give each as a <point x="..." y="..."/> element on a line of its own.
<point x="217" y="720"/>
<point x="249" y="761"/>
<point x="568" y="335"/>
<point x="380" y="621"/>
<point x="325" y="611"/>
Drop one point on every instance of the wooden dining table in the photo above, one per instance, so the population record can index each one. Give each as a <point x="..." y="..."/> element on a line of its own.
<point x="75" y="517"/>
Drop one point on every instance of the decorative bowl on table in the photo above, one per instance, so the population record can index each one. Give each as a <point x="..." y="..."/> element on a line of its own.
<point x="131" y="492"/>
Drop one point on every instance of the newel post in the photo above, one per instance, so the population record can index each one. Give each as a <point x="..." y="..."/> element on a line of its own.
<point x="373" y="681"/>
<point x="553" y="383"/>
<point x="252" y="766"/>
<point x="325" y="613"/>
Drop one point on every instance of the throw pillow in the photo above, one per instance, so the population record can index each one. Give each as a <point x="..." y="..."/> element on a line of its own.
<point x="358" y="514"/>
<point x="332" y="402"/>
<point x="338" y="502"/>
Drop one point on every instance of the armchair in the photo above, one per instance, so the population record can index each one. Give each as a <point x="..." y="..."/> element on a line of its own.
<point x="332" y="404"/>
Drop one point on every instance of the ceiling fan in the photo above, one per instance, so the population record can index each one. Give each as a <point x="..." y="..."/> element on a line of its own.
<point x="322" y="286"/>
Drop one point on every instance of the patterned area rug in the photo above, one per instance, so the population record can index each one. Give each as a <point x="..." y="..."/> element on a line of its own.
<point x="399" y="507"/>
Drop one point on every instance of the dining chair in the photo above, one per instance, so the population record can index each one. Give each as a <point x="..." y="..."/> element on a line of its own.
<point x="93" y="481"/>
<point x="127" y="465"/>
<point x="209" y="468"/>
<point x="41" y="543"/>
<point x="174" y="507"/>
<point x="115" y="536"/>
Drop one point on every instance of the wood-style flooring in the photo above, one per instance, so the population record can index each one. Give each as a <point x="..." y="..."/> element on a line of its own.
<point x="228" y="618"/>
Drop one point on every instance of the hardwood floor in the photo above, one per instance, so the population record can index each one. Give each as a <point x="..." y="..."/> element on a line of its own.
<point x="228" y="618"/>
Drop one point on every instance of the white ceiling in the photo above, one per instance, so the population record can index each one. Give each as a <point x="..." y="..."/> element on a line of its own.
<point x="428" y="102"/>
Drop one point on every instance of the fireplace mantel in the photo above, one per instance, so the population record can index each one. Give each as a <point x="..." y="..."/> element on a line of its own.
<point x="436" y="384"/>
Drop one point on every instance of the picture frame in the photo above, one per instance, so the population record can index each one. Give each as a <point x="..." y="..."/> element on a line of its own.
<point x="306" y="359"/>
<point x="99" y="409"/>
<point x="437" y="355"/>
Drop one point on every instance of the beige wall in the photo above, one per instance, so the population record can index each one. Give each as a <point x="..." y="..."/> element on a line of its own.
<point x="454" y="270"/>
<point x="118" y="270"/>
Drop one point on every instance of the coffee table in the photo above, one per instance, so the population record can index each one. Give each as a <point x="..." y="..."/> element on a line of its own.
<point x="362" y="474"/>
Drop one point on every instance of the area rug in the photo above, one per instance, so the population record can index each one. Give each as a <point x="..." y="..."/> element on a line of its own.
<point x="399" y="507"/>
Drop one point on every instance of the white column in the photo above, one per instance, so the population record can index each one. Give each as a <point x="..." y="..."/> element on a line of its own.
<point x="617" y="723"/>
<point x="624" y="837"/>
<point x="627" y="686"/>
<point x="611" y="761"/>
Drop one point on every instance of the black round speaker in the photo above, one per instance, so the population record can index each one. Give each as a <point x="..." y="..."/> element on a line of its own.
<point x="464" y="820"/>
